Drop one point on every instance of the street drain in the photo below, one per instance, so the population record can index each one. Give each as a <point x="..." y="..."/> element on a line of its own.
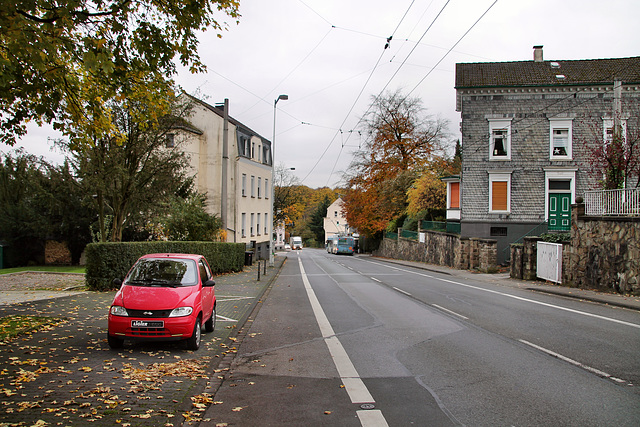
<point x="367" y="406"/>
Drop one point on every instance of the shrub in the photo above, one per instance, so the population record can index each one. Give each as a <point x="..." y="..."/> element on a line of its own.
<point x="108" y="261"/>
<point x="556" y="237"/>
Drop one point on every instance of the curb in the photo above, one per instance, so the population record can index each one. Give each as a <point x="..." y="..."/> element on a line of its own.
<point x="225" y="363"/>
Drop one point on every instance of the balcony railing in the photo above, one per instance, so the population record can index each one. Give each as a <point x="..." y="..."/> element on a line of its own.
<point x="623" y="202"/>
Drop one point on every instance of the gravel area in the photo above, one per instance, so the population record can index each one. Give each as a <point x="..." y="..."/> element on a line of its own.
<point x="40" y="281"/>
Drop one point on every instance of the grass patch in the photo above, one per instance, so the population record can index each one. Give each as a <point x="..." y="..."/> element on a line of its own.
<point x="46" y="268"/>
<point x="16" y="325"/>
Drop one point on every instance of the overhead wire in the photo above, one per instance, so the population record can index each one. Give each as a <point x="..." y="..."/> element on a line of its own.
<point x="292" y="71"/>
<point x="451" y="48"/>
<point x="386" y="46"/>
<point x="408" y="55"/>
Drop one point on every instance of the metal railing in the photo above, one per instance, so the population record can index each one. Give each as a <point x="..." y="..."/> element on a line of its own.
<point x="433" y="225"/>
<point x="622" y="202"/>
<point x="391" y="235"/>
<point x="409" y="234"/>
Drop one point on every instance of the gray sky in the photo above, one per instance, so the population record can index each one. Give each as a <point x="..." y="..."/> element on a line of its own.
<point x="328" y="56"/>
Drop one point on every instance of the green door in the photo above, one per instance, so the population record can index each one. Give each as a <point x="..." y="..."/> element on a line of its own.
<point x="559" y="212"/>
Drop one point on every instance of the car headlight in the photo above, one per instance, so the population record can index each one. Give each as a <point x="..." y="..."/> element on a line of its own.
<point x="117" y="310"/>
<point x="181" y="311"/>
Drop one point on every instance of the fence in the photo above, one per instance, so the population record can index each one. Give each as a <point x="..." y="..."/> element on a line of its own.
<point x="433" y="225"/>
<point x="623" y="202"/>
<point x="408" y="234"/>
<point x="390" y="235"/>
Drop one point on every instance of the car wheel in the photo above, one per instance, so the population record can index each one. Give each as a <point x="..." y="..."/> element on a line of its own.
<point x="210" y="324"/>
<point x="193" y="343"/>
<point x="114" y="342"/>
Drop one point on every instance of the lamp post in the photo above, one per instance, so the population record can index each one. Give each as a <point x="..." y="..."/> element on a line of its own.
<point x="272" y="247"/>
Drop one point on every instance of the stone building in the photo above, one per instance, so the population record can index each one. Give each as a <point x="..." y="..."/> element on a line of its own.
<point x="526" y="128"/>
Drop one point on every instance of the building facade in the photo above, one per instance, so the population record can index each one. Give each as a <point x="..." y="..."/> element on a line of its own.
<point x="232" y="165"/>
<point x="528" y="130"/>
<point x="335" y="222"/>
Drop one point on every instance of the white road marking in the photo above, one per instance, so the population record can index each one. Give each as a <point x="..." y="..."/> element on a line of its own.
<point x="224" y="319"/>
<point x="573" y="362"/>
<point x="356" y="389"/>
<point x="558" y="307"/>
<point x="449" y="311"/>
<point x="373" y="418"/>
<point x="379" y="281"/>
<point x="402" y="292"/>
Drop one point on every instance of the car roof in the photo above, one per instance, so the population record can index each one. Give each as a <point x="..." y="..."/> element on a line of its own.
<point x="194" y="257"/>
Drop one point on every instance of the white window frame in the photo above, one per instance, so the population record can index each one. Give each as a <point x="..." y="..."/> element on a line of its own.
<point x="561" y="124"/>
<point x="253" y="223"/>
<point x="267" y="193"/>
<point x="244" y="185"/>
<point x="253" y="186"/>
<point x="498" y="125"/>
<point x="607" y="123"/>
<point x="266" y="221"/>
<point x="258" y="224"/>
<point x="244" y="224"/>
<point x="259" y="188"/>
<point x="500" y="177"/>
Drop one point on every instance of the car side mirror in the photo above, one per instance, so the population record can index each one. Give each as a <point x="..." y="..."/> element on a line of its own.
<point x="117" y="283"/>
<point x="209" y="283"/>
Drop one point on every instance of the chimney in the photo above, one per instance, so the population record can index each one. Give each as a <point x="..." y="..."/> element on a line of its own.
<point x="537" y="54"/>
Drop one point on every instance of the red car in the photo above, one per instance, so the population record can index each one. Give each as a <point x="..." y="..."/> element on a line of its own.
<point x="165" y="297"/>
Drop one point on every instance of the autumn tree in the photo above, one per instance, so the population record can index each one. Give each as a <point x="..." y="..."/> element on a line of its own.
<point x="401" y="140"/>
<point x="427" y="197"/>
<point x="613" y="152"/>
<point x="286" y="195"/>
<point x="130" y="171"/>
<point x="51" y="52"/>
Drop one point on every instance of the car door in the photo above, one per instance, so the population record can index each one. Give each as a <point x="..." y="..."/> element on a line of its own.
<point x="207" y="291"/>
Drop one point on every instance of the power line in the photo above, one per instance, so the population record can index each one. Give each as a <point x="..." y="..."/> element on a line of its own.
<point x="451" y="48"/>
<point x="416" y="45"/>
<point x="386" y="46"/>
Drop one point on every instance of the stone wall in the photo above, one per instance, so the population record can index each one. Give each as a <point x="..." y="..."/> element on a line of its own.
<point x="444" y="249"/>
<point x="604" y="254"/>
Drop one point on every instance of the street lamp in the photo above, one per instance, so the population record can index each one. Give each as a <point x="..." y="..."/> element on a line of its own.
<point x="272" y="247"/>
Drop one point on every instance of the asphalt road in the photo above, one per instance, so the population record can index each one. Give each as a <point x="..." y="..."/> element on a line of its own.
<point x="357" y="341"/>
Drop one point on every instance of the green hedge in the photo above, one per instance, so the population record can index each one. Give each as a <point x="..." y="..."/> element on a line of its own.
<point x="108" y="261"/>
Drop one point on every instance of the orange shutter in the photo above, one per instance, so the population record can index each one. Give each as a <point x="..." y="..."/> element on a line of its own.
<point x="455" y="195"/>
<point x="499" y="200"/>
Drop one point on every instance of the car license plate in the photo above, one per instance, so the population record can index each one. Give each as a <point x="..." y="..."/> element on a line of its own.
<point x="147" y="324"/>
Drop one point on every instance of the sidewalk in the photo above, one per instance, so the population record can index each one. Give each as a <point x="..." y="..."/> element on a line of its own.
<point x="503" y="279"/>
<point x="66" y="374"/>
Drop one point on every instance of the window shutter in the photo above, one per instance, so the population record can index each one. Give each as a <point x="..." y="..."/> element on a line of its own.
<point x="455" y="195"/>
<point x="499" y="201"/>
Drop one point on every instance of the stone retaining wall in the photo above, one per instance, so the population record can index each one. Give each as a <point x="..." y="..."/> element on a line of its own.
<point x="604" y="254"/>
<point x="440" y="248"/>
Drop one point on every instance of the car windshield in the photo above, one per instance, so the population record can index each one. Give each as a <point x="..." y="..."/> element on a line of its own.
<point x="163" y="272"/>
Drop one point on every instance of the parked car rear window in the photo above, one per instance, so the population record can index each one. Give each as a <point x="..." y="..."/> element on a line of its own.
<point x="163" y="272"/>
